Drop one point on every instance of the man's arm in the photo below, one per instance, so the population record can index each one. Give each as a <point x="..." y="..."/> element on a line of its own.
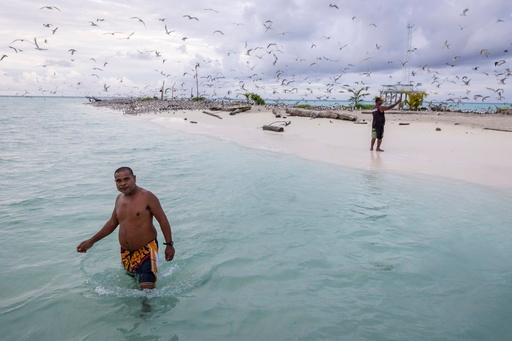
<point x="165" y="226"/>
<point x="392" y="106"/>
<point x="107" y="229"/>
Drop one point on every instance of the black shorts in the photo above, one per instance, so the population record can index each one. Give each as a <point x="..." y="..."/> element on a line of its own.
<point x="378" y="132"/>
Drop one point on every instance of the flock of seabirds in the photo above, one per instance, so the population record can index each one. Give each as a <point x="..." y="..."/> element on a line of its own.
<point x="282" y="79"/>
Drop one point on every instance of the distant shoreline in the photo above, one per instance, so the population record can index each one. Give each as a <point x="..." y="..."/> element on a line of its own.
<point x="447" y="144"/>
<point x="452" y="107"/>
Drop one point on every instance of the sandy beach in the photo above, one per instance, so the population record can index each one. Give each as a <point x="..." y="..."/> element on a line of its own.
<point x="462" y="149"/>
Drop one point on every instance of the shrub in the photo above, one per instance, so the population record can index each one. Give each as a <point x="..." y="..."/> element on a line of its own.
<point x="303" y="106"/>
<point x="198" y="99"/>
<point x="415" y="99"/>
<point x="362" y="106"/>
<point x="255" y="98"/>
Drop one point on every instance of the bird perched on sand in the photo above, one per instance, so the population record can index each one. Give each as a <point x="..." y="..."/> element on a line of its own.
<point x="464" y="12"/>
<point x="72" y="51"/>
<point x="499" y="62"/>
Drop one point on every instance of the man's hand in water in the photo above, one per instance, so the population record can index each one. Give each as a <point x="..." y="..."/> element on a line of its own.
<point x="84" y="246"/>
<point x="169" y="253"/>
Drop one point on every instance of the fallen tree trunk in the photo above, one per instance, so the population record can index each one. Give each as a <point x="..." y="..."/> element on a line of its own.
<point x="228" y="108"/>
<point x="273" y="128"/>
<point x="276" y="114"/>
<point x="211" y="114"/>
<point x="320" y="114"/>
<point x="498" y="129"/>
<point x="239" y="110"/>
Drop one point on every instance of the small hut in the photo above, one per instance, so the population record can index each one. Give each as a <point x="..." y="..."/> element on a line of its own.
<point x="390" y="94"/>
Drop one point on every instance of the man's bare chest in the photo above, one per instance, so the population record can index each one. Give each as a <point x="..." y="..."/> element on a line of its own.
<point x="132" y="210"/>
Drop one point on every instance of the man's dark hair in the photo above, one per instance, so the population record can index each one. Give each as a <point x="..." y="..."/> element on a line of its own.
<point x="378" y="99"/>
<point x="123" y="169"/>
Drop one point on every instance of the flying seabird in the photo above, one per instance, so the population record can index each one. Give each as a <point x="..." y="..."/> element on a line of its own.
<point x="37" y="45"/>
<point x="139" y="20"/>
<point x="167" y="30"/>
<point x="51" y="7"/>
<point x="191" y="17"/>
<point x="16" y="50"/>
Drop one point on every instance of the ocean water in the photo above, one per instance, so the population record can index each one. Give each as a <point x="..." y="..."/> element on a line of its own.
<point x="268" y="246"/>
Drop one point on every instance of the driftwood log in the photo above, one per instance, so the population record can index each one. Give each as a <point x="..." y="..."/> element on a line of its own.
<point x="239" y="110"/>
<point x="211" y="114"/>
<point x="498" y="129"/>
<point x="276" y="114"/>
<point x="320" y="114"/>
<point x="214" y="108"/>
<point x="273" y="128"/>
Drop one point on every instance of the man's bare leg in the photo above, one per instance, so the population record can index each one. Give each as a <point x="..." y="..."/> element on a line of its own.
<point x="373" y="142"/>
<point x="379" y="141"/>
<point x="147" y="285"/>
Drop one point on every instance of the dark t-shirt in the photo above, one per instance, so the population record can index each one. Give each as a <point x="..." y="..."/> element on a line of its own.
<point x="378" y="119"/>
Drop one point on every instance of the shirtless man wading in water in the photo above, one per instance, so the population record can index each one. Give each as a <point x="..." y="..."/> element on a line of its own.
<point x="134" y="210"/>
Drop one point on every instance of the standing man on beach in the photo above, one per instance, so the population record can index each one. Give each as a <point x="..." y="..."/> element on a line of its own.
<point x="378" y="122"/>
<point x="134" y="210"/>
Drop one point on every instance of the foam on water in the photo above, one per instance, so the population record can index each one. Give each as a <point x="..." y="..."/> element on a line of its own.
<point x="267" y="245"/>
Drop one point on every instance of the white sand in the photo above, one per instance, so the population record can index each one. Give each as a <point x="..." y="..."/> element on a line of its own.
<point x="464" y="152"/>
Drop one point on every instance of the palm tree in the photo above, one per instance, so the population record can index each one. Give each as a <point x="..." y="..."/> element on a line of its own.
<point x="357" y="95"/>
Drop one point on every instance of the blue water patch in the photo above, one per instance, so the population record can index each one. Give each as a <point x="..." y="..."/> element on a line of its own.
<point x="481" y="107"/>
<point x="268" y="246"/>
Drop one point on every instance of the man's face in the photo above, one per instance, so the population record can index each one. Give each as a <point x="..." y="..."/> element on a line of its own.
<point x="378" y="103"/>
<point x="125" y="182"/>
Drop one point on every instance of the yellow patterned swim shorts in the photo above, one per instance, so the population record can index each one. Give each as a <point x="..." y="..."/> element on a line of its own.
<point x="141" y="263"/>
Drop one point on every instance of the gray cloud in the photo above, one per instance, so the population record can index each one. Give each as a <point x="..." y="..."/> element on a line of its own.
<point x="316" y="46"/>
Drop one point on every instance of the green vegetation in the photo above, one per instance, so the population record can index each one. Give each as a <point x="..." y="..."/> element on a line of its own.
<point x="363" y="106"/>
<point x="357" y="96"/>
<point x="198" y="99"/>
<point x="303" y="106"/>
<point x="146" y="98"/>
<point x="415" y="99"/>
<point x="254" y="98"/>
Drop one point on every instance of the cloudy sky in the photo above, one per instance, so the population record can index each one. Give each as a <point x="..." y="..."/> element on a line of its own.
<point x="295" y="49"/>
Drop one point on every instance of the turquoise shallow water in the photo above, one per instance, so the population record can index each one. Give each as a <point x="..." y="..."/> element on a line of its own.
<point x="268" y="246"/>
